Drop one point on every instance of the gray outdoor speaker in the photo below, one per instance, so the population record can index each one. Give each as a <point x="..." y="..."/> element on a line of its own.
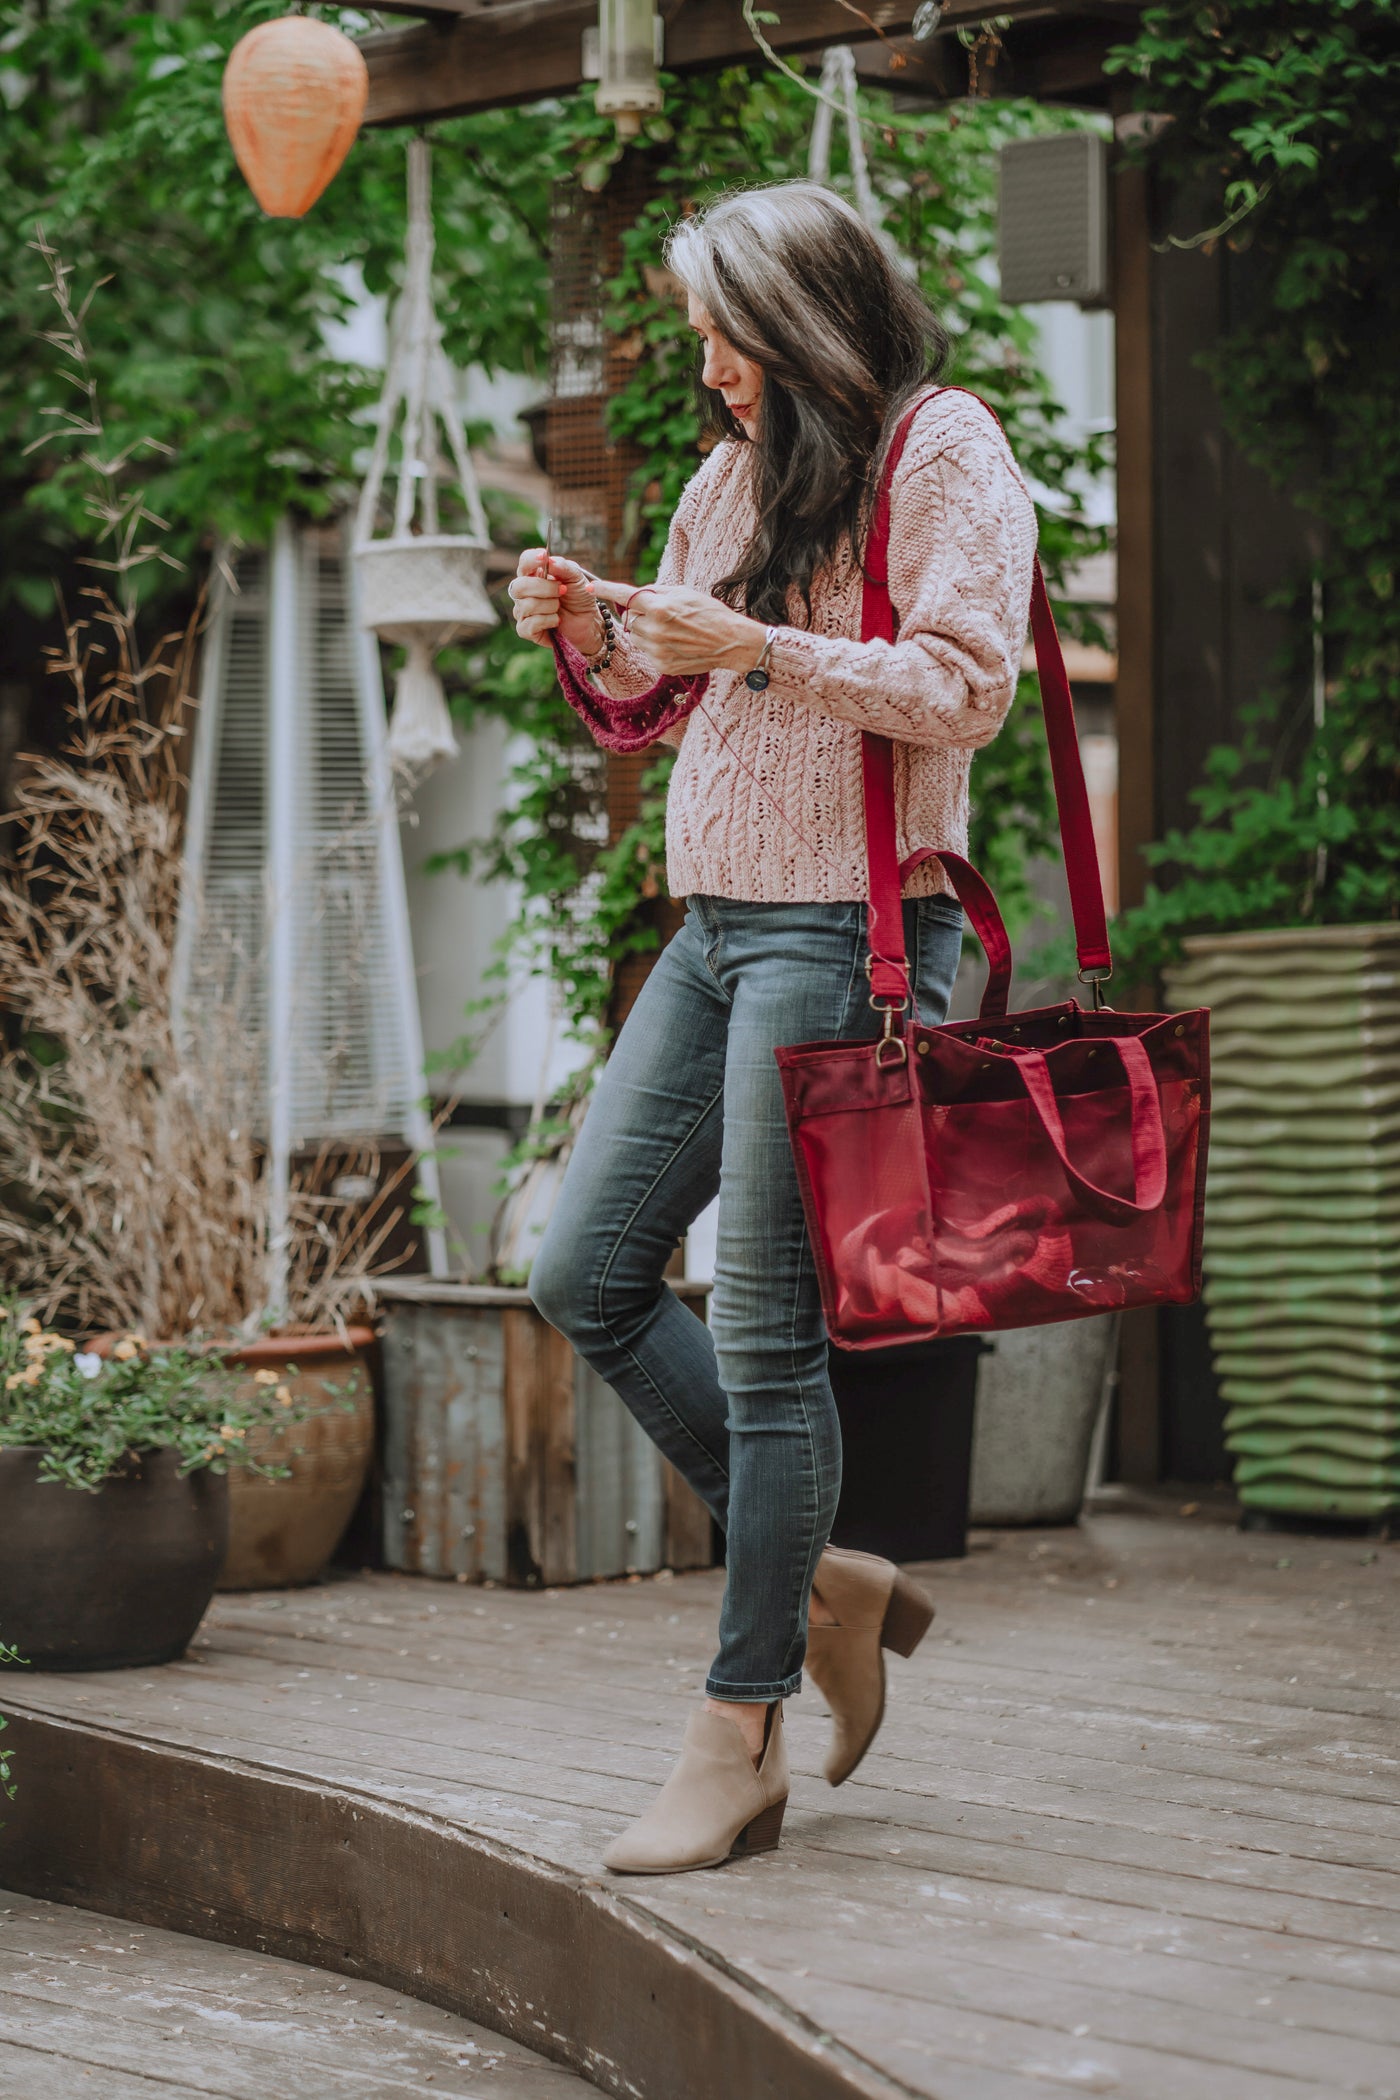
<point x="1052" y="221"/>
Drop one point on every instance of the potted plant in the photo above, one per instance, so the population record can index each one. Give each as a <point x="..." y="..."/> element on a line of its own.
<point x="114" y="1475"/>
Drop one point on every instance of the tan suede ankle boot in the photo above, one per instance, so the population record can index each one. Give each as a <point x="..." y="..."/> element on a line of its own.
<point x="876" y="1607"/>
<point x="716" y="1804"/>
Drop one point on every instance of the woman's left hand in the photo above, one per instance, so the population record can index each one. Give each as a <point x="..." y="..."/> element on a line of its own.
<point x="685" y="632"/>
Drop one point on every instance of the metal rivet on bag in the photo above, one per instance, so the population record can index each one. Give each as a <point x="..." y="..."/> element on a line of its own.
<point x="1180" y="1028"/>
<point x="922" y="1049"/>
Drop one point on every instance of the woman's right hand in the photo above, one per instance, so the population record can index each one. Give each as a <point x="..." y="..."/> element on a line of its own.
<point x="550" y="596"/>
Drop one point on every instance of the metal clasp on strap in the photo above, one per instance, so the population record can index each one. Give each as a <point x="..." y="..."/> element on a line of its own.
<point x="891" y="1050"/>
<point x="1096" y="979"/>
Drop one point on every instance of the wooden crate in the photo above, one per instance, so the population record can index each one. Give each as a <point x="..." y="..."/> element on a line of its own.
<point x="507" y="1459"/>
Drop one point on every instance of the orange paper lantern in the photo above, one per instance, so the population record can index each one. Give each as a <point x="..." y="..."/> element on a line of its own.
<point x="294" y="94"/>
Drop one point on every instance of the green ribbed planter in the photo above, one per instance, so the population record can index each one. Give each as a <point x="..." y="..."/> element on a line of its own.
<point x="1302" y="1241"/>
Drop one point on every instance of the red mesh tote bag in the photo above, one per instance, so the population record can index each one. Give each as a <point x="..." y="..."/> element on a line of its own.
<point x="1013" y="1170"/>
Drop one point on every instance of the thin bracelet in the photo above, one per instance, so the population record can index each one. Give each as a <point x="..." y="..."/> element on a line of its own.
<point x="758" y="677"/>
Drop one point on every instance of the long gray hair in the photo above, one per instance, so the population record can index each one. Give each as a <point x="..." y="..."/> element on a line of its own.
<point x="791" y="275"/>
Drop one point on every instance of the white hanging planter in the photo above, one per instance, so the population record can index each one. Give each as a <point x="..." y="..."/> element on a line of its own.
<point x="420" y="588"/>
<point x="431" y="589"/>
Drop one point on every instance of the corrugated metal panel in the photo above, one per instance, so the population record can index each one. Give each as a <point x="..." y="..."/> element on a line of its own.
<point x="508" y="1458"/>
<point x="621" y="1494"/>
<point x="445" y="1443"/>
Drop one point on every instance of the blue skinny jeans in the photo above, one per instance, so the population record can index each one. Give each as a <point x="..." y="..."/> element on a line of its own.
<point x="689" y="1105"/>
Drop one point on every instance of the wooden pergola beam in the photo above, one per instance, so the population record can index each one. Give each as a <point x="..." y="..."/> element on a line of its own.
<point x="471" y="55"/>
<point x="1059" y="60"/>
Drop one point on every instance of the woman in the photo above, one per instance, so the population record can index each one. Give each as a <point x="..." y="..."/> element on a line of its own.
<point x="813" y="344"/>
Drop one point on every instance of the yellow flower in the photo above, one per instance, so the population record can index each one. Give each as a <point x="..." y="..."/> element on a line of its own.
<point x="58" y="1341"/>
<point x="284" y="1394"/>
<point x="34" y="1375"/>
<point x="31" y="1326"/>
<point x="124" y="1352"/>
<point x="15" y="1378"/>
<point x="36" y="1345"/>
<point x="264" y="1378"/>
<point x="227" y="1430"/>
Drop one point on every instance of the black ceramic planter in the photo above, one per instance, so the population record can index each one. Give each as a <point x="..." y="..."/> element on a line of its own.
<point x="906" y="1430"/>
<point x="115" y="1580"/>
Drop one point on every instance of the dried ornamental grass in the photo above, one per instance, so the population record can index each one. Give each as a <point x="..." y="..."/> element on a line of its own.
<point x="134" y="1183"/>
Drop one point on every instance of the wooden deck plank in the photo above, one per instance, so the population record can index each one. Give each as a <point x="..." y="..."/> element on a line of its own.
<point x="93" y="2006"/>
<point x="1133" y="1823"/>
<point x="1146" y="1794"/>
<point x="589" y="1773"/>
<point x="634" y="1696"/>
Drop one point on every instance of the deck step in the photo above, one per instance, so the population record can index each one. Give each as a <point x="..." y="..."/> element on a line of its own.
<point x="111" y="2011"/>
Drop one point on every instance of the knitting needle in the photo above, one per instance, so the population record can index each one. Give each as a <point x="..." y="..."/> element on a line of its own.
<point x="608" y="589"/>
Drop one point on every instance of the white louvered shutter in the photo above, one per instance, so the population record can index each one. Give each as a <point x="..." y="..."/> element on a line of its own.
<point x="294" y="902"/>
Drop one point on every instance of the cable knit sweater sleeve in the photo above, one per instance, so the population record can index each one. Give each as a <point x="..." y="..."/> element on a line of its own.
<point x="632" y="672"/>
<point x="962" y="549"/>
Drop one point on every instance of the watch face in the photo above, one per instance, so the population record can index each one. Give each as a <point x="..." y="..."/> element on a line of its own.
<point x="757" y="680"/>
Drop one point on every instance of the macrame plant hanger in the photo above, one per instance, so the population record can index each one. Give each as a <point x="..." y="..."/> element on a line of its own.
<point x="421" y="588"/>
<point x="838" y="87"/>
<point x="839" y="91"/>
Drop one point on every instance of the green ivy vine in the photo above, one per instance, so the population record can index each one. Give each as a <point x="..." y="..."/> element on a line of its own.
<point x="1285" y="116"/>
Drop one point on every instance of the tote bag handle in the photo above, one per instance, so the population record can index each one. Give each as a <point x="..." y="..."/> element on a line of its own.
<point x="889" y="972"/>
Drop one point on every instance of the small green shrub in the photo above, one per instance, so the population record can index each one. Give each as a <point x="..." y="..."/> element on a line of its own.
<point x="90" y="1414"/>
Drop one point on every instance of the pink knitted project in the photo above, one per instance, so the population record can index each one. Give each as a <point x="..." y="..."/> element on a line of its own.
<point x="770" y="810"/>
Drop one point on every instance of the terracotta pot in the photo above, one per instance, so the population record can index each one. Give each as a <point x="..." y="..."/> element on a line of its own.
<point x="294" y="94"/>
<point x="113" y="1580"/>
<point x="283" y="1532"/>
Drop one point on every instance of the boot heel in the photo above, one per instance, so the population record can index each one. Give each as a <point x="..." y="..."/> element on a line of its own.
<point x="908" y="1616"/>
<point x="763" y="1833"/>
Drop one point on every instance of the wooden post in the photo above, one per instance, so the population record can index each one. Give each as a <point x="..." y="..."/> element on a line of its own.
<point x="1139" y="1399"/>
<point x="592" y="471"/>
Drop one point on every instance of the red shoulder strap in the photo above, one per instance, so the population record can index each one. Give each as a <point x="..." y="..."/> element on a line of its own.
<point x="889" y="975"/>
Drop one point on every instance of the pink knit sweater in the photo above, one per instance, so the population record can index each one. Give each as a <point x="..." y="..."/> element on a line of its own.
<point x="770" y="810"/>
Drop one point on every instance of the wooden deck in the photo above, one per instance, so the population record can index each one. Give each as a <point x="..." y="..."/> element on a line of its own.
<point x="1131" y="1826"/>
<point x="90" y="2011"/>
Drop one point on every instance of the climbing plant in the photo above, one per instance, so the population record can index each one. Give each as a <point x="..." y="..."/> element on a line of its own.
<point x="936" y="182"/>
<point x="1283" y="118"/>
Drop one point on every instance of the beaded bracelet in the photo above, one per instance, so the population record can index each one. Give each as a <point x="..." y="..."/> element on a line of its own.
<point x="601" y="662"/>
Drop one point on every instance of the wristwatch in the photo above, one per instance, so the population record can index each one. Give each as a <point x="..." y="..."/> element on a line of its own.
<point x="757" y="678"/>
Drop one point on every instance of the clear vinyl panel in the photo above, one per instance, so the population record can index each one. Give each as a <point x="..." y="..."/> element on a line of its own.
<point x="938" y="1202"/>
<point x="859" y="1149"/>
<point x="1016" y="1246"/>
